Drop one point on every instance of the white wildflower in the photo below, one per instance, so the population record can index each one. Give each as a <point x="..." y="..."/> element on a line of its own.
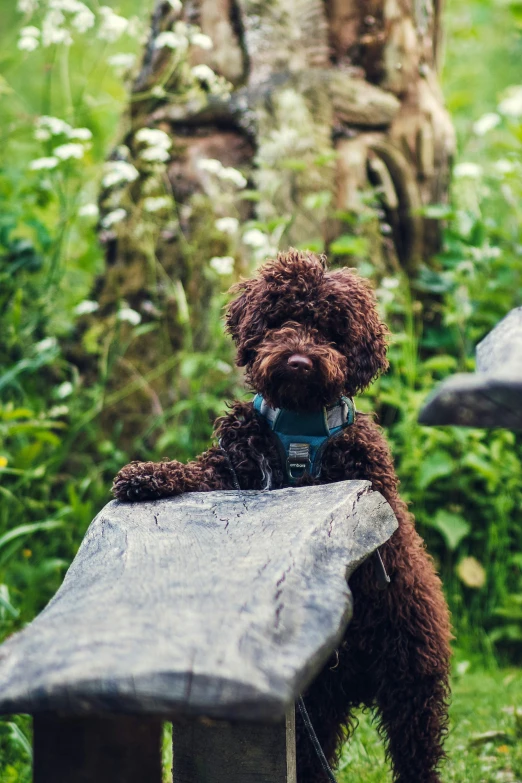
<point x="154" y="137"/>
<point x="484" y="253"/>
<point x="176" y="5"/>
<point x="27" y="6"/>
<point x="82" y="134"/>
<point x="155" y="154"/>
<point x="111" y="218"/>
<point x="204" y="73"/>
<point x="83" y="19"/>
<point x="223" y="265"/>
<point x="223" y="367"/>
<point x="155" y="203"/>
<point x="234" y="176"/>
<point x="384" y="296"/>
<point x="46" y="345"/>
<point x="57" y="410"/>
<point x="30" y="30"/>
<point x="122" y="61"/>
<point x="65" y="389"/>
<point x="54" y="125"/>
<point x="52" y="30"/>
<point x="43" y="163"/>
<point x="131" y="316"/>
<point x="89" y="211"/>
<point x="486" y="123"/>
<point x="217" y="85"/>
<point x="28" y="40"/>
<point x="390" y="282"/>
<point x="211" y="165"/>
<point x="86" y="307"/>
<point x="504" y="166"/>
<point x="202" y="40"/>
<point x="112" y="25"/>
<point x="70" y="6"/>
<point x="137" y="29"/>
<point x="469" y="170"/>
<point x="255" y="238"/>
<point x="170" y="40"/>
<point x="27" y="43"/>
<point x="228" y="225"/>
<point x="511" y="105"/>
<point x="182" y="28"/>
<point x="117" y="172"/>
<point x="67" y="151"/>
<point x="122" y="151"/>
<point x="158" y="91"/>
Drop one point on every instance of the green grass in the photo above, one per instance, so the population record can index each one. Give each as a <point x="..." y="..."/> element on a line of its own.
<point x="482" y="702"/>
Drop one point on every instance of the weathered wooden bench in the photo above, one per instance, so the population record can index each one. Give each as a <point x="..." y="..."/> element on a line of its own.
<point x="491" y="396"/>
<point x="211" y="610"/>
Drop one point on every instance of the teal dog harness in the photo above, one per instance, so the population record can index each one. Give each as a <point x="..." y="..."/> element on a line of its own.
<point x="303" y="437"/>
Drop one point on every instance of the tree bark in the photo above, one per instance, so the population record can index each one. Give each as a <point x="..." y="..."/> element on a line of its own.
<point x="332" y="112"/>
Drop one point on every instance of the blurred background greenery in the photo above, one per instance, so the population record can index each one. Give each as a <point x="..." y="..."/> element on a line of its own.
<point x="56" y="460"/>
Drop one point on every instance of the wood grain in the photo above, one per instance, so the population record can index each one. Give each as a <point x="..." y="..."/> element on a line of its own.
<point x="222" y="604"/>
<point x="224" y="752"/>
<point x="501" y="351"/>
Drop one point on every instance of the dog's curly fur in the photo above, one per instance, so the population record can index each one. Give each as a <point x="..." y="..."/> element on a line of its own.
<point x="395" y="655"/>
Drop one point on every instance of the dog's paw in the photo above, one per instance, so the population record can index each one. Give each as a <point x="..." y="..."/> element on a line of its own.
<point x="148" y="481"/>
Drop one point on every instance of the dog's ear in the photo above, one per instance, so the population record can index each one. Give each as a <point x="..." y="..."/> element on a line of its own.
<point x="235" y="311"/>
<point x="362" y="336"/>
<point x="244" y="320"/>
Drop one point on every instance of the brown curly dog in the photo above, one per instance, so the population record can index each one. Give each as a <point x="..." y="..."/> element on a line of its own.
<point x="310" y="339"/>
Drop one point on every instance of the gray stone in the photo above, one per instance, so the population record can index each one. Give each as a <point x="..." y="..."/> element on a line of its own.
<point x="223" y="604"/>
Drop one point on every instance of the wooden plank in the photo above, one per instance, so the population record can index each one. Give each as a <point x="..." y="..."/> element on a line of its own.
<point x="96" y="749"/>
<point x="475" y="400"/>
<point x="491" y="397"/>
<point x="501" y="351"/>
<point x="207" y="751"/>
<point x="223" y="604"/>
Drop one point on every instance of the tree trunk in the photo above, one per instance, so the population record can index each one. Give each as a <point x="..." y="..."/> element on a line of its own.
<point x="330" y="110"/>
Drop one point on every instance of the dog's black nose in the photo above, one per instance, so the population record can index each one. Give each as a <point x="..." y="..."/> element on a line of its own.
<point x="299" y="362"/>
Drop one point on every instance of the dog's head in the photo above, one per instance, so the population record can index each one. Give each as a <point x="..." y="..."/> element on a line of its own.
<point x="306" y="335"/>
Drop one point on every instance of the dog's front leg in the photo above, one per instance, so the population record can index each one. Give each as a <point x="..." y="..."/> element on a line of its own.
<point x="154" y="480"/>
<point x="399" y="638"/>
<point x="413" y="665"/>
<point x="395" y="657"/>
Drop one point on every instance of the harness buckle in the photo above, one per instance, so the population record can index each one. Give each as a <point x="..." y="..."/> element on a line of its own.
<point x="298" y="459"/>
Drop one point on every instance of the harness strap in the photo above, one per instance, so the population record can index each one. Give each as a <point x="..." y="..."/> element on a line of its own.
<point x="302" y="437"/>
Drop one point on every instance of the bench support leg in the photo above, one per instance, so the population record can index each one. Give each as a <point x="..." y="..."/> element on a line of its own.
<point x="96" y="749"/>
<point x="209" y="751"/>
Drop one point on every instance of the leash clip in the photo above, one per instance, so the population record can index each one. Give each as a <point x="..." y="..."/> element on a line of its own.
<point x="383" y="580"/>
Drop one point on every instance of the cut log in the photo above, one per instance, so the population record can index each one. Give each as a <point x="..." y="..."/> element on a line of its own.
<point x="491" y="397"/>
<point x="221" y="604"/>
